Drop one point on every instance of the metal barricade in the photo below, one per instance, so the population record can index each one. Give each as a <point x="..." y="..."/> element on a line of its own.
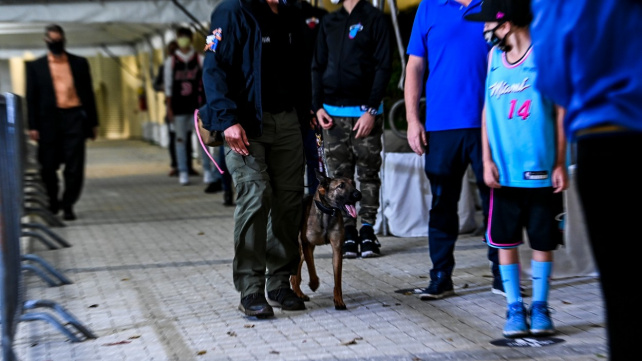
<point x="11" y="210"/>
<point x="13" y="200"/>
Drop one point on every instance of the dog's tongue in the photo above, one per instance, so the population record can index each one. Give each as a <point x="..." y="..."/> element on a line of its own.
<point x="351" y="210"/>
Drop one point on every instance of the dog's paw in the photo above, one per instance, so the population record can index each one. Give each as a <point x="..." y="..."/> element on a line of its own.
<point x="340" y="306"/>
<point x="314" y="285"/>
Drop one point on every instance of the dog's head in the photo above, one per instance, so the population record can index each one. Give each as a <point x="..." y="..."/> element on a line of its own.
<point x="340" y="193"/>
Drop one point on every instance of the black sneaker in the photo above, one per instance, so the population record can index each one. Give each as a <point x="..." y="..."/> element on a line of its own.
<point x="286" y="299"/>
<point x="69" y="214"/>
<point x="351" y="244"/>
<point x="214" y="187"/>
<point x="498" y="288"/>
<point x="440" y="287"/>
<point x="256" y="305"/>
<point x="370" y="246"/>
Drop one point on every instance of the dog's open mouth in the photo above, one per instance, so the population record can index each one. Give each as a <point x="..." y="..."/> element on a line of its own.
<point x="352" y="211"/>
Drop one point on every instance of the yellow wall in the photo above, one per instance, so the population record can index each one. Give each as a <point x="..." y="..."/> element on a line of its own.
<point x="117" y="83"/>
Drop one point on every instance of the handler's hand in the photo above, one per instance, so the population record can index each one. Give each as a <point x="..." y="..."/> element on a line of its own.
<point x="236" y="139"/>
<point x="324" y="119"/>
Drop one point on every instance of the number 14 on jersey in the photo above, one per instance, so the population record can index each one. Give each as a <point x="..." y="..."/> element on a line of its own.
<point x="523" y="110"/>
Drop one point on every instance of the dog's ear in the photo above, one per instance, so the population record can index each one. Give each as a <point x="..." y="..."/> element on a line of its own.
<point x="325" y="181"/>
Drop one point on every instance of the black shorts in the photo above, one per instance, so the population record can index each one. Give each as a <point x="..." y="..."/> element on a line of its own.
<point x="537" y="210"/>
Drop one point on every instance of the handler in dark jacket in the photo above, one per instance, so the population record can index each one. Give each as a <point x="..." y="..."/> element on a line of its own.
<point x="62" y="115"/>
<point x="256" y="81"/>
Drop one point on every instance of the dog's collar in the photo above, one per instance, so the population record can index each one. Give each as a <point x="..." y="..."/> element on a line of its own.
<point x="327" y="210"/>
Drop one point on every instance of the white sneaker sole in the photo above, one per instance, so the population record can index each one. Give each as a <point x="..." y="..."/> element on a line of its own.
<point x="369" y="254"/>
<point x="350" y="255"/>
<point x="428" y="296"/>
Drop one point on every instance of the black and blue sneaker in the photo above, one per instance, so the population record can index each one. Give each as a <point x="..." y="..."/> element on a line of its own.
<point x="370" y="246"/>
<point x="351" y="243"/>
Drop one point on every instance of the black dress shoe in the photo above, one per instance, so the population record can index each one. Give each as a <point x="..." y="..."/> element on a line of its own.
<point x="286" y="299"/>
<point x="256" y="305"/>
<point x="54" y="209"/>
<point x="69" y="215"/>
<point x="227" y="199"/>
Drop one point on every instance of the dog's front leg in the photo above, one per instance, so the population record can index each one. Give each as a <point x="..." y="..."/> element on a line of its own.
<point x="308" y="253"/>
<point x="337" y="265"/>
<point x="295" y="280"/>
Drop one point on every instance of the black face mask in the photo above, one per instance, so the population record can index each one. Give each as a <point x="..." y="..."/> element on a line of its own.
<point x="493" y="40"/>
<point x="490" y="37"/>
<point x="56" y="47"/>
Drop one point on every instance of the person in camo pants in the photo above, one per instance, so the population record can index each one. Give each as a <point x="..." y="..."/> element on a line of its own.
<point x="342" y="152"/>
<point x="350" y="73"/>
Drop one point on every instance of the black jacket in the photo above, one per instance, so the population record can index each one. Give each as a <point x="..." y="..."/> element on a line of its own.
<point x="232" y="72"/>
<point x="352" y="64"/>
<point x="41" y="97"/>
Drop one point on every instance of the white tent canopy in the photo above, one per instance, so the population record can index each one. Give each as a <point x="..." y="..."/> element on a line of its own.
<point x="95" y="24"/>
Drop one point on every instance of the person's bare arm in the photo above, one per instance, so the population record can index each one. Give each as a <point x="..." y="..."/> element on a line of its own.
<point x="491" y="174"/>
<point x="560" y="175"/>
<point x="412" y="94"/>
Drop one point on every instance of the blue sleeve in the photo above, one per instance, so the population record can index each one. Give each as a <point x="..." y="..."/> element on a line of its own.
<point x="550" y="38"/>
<point x="588" y="53"/>
<point x="416" y="44"/>
<point x="218" y="68"/>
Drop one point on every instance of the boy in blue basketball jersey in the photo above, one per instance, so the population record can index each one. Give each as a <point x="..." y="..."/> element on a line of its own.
<point x="524" y="162"/>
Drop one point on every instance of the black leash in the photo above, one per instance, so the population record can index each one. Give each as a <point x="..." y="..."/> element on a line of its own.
<point x="320" y="152"/>
<point x="332" y="211"/>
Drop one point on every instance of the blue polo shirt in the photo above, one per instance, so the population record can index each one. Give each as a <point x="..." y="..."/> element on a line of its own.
<point x="457" y="58"/>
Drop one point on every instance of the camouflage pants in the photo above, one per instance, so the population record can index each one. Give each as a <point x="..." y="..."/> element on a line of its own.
<point x="344" y="152"/>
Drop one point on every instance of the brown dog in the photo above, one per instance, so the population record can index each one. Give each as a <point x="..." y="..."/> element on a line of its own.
<point x="322" y="223"/>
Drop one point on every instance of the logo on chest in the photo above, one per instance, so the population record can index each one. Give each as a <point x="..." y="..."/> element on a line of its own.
<point x="501" y="88"/>
<point x="354" y="30"/>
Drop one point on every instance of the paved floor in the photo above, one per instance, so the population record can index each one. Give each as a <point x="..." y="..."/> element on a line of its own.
<point x="151" y="268"/>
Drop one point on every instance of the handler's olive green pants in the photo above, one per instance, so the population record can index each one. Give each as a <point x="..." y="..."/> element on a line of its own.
<point x="269" y="186"/>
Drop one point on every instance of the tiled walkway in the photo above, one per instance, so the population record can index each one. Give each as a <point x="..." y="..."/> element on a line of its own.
<point x="151" y="268"/>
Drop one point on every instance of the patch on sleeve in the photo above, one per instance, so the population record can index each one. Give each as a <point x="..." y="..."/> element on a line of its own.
<point x="211" y="42"/>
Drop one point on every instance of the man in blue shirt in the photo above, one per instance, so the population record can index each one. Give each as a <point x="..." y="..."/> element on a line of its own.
<point x="454" y="52"/>
<point x="588" y="53"/>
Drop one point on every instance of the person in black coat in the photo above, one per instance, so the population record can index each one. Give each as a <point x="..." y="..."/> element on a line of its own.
<point x="62" y="115"/>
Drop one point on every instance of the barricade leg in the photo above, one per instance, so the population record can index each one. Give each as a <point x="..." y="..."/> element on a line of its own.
<point x="69" y="319"/>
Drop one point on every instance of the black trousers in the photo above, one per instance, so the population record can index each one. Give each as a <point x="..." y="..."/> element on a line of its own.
<point x="448" y="155"/>
<point x="66" y="147"/>
<point x="611" y="197"/>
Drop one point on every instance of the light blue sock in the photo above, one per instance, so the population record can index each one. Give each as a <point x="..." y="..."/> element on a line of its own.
<point x="541" y="272"/>
<point x="510" y="280"/>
